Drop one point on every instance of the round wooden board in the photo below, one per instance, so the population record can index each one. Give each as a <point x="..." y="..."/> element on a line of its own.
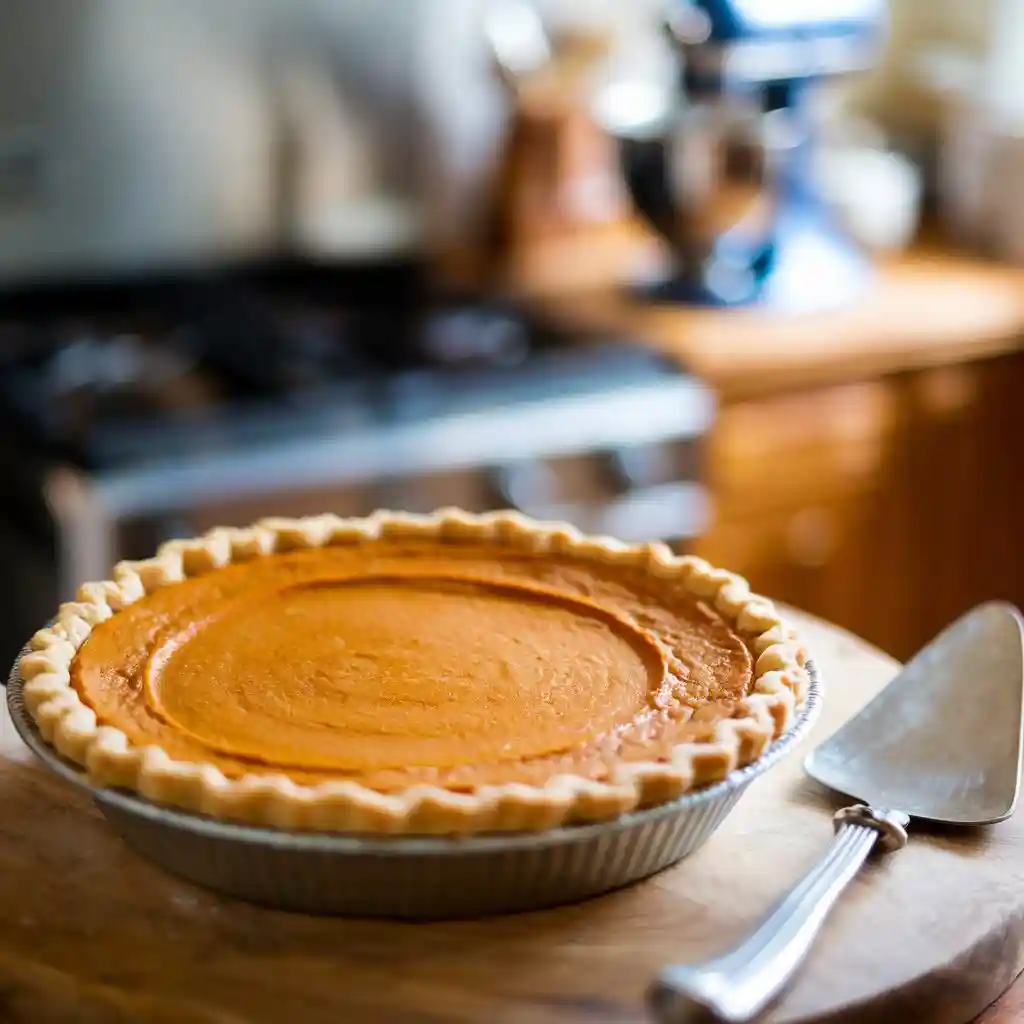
<point x="91" y="932"/>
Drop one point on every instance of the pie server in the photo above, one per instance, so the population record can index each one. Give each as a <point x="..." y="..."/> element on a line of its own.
<point x="941" y="743"/>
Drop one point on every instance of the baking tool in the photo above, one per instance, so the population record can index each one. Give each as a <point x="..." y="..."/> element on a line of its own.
<point x="720" y="160"/>
<point x="875" y="193"/>
<point x="942" y="743"/>
<point x="415" y="877"/>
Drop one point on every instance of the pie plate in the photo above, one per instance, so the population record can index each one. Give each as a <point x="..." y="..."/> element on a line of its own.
<point x="416" y="878"/>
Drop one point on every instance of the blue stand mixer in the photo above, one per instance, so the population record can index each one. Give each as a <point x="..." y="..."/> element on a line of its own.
<point x="720" y="163"/>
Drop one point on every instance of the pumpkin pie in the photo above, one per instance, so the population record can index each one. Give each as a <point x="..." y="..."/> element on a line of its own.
<point x="449" y="673"/>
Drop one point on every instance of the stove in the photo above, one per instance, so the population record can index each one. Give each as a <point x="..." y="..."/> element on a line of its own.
<point x="131" y="415"/>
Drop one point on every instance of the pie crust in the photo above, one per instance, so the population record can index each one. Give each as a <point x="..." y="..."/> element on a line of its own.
<point x="778" y="687"/>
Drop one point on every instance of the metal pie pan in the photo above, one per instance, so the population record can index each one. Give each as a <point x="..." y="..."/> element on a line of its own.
<point x="415" y="878"/>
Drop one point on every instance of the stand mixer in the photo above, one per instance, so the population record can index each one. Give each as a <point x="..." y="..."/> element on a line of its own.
<point x="720" y="161"/>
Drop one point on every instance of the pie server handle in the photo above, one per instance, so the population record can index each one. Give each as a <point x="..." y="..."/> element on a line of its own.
<point x="737" y="985"/>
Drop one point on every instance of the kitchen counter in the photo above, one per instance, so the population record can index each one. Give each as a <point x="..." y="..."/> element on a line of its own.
<point x="929" y="307"/>
<point x="92" y="932"/>
<point x="865" y="462"/>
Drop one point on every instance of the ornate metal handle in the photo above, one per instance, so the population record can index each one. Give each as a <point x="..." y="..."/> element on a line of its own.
<point x="739" y="984"/>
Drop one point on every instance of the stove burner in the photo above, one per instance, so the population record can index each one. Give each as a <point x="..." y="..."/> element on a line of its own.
<point x="222" y="365"/>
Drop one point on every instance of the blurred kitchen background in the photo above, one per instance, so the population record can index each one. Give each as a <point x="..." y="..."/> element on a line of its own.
<point x="746" y="275"/>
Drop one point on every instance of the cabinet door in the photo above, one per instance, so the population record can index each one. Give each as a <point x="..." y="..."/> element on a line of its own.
<point x="779" y="452"/>
<point x="964" y="448"/>
<point x="888" y="507"/>
<point x="798" y="482"/>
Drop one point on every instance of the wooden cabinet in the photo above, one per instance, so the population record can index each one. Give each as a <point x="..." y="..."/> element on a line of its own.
<point x="868" y="462"/>
<point x="888" y="506"/>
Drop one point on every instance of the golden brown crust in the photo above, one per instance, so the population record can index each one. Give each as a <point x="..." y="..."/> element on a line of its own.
<point x="779" y="686"/>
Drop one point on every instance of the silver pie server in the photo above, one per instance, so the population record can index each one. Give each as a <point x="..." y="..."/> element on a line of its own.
<point x="941" y="743"/>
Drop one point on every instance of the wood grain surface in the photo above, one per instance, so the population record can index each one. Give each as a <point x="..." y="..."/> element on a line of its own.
<point x="89" y="932"/>
<point x="925" y="308"/>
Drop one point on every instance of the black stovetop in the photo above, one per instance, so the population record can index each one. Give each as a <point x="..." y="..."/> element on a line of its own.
<point x="106" y="377"/>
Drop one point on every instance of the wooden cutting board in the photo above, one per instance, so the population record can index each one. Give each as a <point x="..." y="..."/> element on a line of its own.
<point x="89" y="932"/>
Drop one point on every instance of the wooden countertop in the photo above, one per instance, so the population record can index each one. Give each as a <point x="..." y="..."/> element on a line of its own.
<point x="928" y="307"/>
<point x="92" y="932"/>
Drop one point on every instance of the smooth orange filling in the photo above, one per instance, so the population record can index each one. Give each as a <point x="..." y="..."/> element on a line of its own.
<point x="393" y="663"/>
